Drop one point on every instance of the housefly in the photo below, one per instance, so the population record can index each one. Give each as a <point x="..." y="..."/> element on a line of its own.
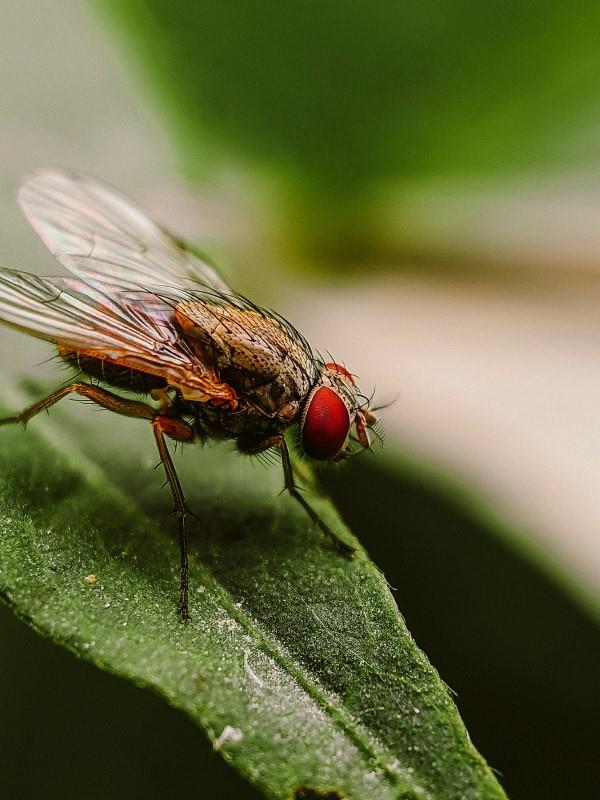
<point x="145" y="313"/>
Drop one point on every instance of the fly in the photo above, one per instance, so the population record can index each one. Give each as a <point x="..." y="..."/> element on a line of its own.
<point x="143" y="312"/>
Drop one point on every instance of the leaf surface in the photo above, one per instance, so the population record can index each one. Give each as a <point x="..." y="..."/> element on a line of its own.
<point x="297" y="663"/>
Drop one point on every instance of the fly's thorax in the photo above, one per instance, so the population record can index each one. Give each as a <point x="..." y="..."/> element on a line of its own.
<point x="265" y="361"/>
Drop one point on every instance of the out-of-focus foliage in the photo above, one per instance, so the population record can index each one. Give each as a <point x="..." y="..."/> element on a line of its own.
<point x="342" y="95"/>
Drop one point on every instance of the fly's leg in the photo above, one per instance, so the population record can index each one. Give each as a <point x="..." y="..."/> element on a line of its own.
<point x="290" y="485"/>
<point x="104" y="398"/>
<point x="162" y="425"/>
<point x="182" y="432"/>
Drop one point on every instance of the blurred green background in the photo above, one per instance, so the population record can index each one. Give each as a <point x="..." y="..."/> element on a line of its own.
<point x="334" y="100"/>
<point x="417" y="186"/>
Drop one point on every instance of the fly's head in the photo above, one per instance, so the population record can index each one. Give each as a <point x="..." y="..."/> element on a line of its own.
<point x="336" y="419"/>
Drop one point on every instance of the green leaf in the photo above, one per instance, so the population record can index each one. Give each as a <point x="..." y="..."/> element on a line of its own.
<point x="297" y="663"/>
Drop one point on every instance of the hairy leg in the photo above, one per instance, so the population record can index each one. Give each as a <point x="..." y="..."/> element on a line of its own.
<point x="104" y="398"/>
<point x="290" y="485"/>
<point x="182" y="432"/>
<point x="162" y="426"/>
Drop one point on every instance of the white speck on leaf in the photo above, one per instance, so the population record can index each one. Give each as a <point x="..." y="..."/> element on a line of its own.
<point x="228" y="734"/>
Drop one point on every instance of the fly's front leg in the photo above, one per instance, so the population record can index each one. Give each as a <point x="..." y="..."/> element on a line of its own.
<point x="179" y="430"/>
<point x="290" y="485"/>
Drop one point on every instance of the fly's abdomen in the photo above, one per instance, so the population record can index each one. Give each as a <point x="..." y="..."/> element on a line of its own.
<point x="115" y="375"/>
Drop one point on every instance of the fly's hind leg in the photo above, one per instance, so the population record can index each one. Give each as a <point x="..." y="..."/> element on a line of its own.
<point x="179" y="430"/>
<point x="102" y="397"/>
<point x="162" y="425"/>
<point x="290" y="485"/>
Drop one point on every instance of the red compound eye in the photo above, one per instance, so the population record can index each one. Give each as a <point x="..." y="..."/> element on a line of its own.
<point x="325" y="425"/>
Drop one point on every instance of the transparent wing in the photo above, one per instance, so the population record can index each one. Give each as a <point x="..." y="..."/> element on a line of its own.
<point x="84" y="319"/>
<point x="103" y="237"/>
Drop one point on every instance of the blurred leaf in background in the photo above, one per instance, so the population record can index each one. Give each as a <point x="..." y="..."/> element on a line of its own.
<point x="331" y="99"/>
